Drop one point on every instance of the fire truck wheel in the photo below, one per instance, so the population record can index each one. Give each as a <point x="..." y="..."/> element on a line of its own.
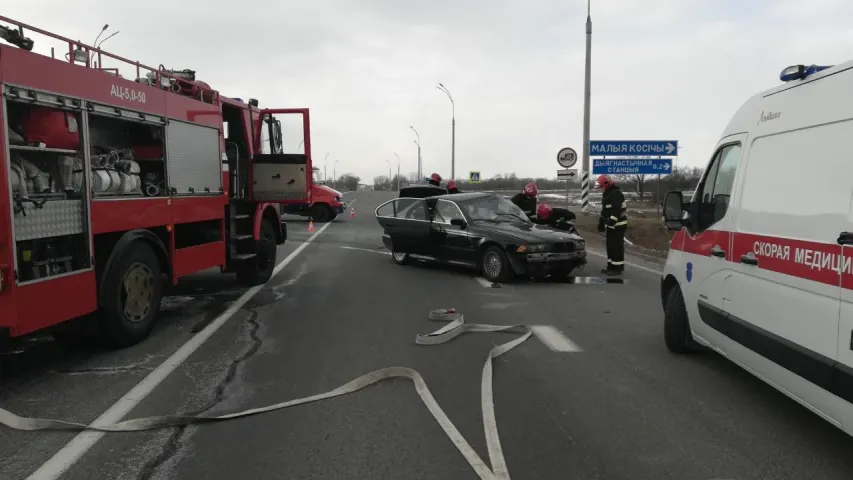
<point x="676" y="325"/>
<point x="259" y="269"/>
<point x="132" y="292"/>
<point x="322" y="213"/>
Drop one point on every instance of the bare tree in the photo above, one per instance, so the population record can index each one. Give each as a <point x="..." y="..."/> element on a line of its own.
<point x="637" y="182"/>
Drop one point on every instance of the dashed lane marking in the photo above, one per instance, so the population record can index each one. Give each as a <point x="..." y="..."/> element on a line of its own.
<point x="555" y="339"/>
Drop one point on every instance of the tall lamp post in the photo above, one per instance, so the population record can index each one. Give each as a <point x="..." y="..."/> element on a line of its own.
<point x="325" y="172"/>
<point x="335" y="173"/>
<point x="418" y="143"/>
<point x="586" y="101"/>
<point x="398" y="171"/>
<point x="444" y="89"/>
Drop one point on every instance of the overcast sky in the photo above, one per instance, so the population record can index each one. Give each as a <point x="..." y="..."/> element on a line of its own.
<point x="662" y="69"/>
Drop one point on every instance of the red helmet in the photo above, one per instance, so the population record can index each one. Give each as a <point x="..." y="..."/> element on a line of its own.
<point x="451" y="184"/>
<point x="604" y="181"/>
<point x="530" y="190"/>
<point x="543" y="211"/>
<point x="435" y="178"/>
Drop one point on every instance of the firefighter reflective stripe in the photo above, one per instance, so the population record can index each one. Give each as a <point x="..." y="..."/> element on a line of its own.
<point x="615" y="263"/>
<point x="607" y="206"/>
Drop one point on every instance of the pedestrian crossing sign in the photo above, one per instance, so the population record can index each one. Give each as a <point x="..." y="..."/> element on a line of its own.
<point x="474" y="177"/>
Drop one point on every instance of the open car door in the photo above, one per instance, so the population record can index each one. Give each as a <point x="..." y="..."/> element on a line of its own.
<point x="282" y="167"/>
<point x="421" y="191"/>
<point x="406" y="225"/>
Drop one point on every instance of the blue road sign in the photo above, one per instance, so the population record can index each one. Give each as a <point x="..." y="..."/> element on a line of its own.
<point x="633" y="148"/>
<point x="639" y="166"/>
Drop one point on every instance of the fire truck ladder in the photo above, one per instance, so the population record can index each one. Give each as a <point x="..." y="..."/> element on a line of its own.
<point x="241" y="245"/>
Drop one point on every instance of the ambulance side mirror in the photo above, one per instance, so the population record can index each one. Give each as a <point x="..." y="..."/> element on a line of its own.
<point x="673" y="210"/>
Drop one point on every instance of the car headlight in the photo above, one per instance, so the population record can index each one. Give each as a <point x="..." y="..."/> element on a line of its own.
<point x="536" y="248"/>
<point x="580" y="244"/>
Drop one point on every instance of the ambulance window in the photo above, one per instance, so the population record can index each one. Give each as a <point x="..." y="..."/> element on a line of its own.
<point x="717" y="188"/>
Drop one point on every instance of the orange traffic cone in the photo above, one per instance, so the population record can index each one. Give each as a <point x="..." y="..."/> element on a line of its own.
<point x="352" y="212"/>
<point x="310" y="225"/>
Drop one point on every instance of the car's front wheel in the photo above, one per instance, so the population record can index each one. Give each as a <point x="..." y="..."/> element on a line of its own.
<point x="401" y="258"/>
<point x="495" y="265"/>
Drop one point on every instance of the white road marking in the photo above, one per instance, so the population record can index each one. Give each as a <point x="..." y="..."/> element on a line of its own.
<point x="381" y="252"/>
<point x="79" y="445"/>
<point x="632" y="265"/>
<point x="555" y="339"/>
<point x="483" y="282"/>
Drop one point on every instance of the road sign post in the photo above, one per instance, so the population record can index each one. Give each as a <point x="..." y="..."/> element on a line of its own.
<point x="568" y="174"/>
<point x="567" y="157"/>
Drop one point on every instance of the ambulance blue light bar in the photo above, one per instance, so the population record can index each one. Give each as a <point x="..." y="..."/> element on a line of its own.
<point x="799" y="72"/>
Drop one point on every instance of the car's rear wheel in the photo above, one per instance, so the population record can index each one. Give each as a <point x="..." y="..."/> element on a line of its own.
<point x="676" y="325"/>
<point x="494" y="264"/>
<point x="401" y="258"/>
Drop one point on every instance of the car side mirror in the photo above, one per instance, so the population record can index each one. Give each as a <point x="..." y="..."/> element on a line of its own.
<point x="459" y="222"/>
<point x="673" y="210"/>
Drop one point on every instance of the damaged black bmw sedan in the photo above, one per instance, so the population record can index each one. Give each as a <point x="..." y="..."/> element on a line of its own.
<point x="480" y="230"/>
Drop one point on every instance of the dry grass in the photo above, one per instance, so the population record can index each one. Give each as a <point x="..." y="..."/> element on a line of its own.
<point x="645" y="232"/>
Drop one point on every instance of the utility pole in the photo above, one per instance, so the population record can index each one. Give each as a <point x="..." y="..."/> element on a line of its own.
<point x="418" y="143"/>
<point x="453" y="132"/>
<point x="325" y="175"/>
<point x="398" y="171"/>
<point x="586" y="110"/>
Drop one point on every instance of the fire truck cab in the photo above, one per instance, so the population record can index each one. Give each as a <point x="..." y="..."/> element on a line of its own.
<point x="112" y="186"/>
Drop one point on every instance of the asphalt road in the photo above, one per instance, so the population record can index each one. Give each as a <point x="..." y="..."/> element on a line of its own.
<point x="616" y="406"/>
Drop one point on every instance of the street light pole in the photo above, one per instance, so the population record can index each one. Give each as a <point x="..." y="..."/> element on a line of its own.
<point x="325" y="172"/>
<point x="418" y="143"/>
<point x="453" y="134"/>
<point x="398" y="171"/>
<point x="335" y="173"/>
<point x="586" y="110"/>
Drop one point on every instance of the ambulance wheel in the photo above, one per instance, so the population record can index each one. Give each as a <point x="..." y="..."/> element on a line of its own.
<point x="322" y="213"/>
<point x="132" y="292"/>
<point x="676" y="325"/>
<point x="257" y="270"/>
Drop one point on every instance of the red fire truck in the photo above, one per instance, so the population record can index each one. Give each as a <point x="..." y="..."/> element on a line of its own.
<point x="110" y="185"/>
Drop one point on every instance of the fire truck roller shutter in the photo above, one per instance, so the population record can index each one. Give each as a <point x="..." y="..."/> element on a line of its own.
<point x="193" y="159"/>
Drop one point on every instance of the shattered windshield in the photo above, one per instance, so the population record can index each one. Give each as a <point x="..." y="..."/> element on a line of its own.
<point x="493" y="208"/>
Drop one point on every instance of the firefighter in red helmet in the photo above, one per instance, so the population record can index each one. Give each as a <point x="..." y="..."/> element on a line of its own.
<point x="560" y="218"/>
<point x="451" y="187"/>
<point x="613" y="222"/>
<point x="526" y="200"/>
<point x="435" y="180"/>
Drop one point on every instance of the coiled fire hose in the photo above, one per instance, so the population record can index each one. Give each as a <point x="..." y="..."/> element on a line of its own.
<point x="455" y="327"/>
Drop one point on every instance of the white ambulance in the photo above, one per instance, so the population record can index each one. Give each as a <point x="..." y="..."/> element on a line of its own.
<point x="761" y="267"/>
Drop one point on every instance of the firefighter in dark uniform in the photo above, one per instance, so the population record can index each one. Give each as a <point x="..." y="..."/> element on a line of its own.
<point x="526" y="200"/>
<point x="613" y="222"/>
<point x="435" y="180"/>
<point x="560" y="218"/>
<point x="451" y="187"/>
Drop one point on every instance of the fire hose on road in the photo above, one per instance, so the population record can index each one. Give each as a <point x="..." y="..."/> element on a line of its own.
<point x="455" y="327"/>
